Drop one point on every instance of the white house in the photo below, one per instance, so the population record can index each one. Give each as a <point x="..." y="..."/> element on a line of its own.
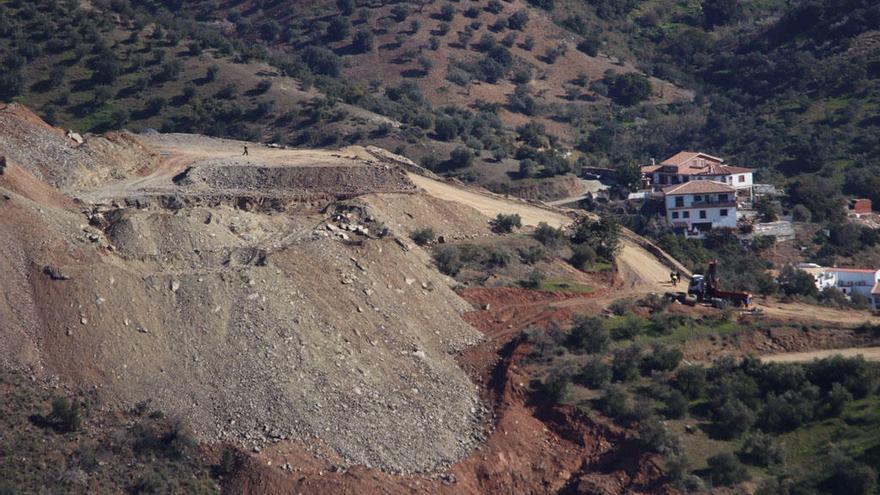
<point x="687" y="166"/>
<point x="850" y="281"/>
<point x="695" y="207"/>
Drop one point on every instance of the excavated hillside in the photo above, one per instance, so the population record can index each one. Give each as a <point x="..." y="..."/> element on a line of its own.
<point x="243" y="299"/>
<point x="263" y="298"/>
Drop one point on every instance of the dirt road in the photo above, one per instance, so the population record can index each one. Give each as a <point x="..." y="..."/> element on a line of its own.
<point x="808" y="313"/>
<point x="640" y="270"/>
<point x="869" y="353"/>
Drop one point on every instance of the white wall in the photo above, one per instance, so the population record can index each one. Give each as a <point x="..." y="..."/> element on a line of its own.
<point x="713" y="212"/>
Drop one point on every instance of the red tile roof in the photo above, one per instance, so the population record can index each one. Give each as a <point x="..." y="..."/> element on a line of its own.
<point x="683" y="157"/>
<point x="698" y="187"/>
<point x="694" y="163"/>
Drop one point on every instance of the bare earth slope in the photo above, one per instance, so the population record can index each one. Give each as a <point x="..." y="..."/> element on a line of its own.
<point x="640" y="270"/>
<point x="251" y="313"/>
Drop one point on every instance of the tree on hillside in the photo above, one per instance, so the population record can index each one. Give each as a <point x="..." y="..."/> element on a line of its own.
<point x="346" y="7"/>
<point x="362" y="41"/>
<point x="628" y="89"/>
<point x="338" y="29"/>
<point x="321" y="61"/>
<point x="720" y="12"/>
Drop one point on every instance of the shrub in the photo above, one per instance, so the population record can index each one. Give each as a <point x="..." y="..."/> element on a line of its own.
<point x="321" y="61"/>
<point x="518" y="20"/>
<point x="628" y="89"/>
<point x="549" y="236"/>
<point x="447" y="12"/>
<point x="725" y="469"/>
<point x="556" y="388"/>
<point x="733" y="419"/>
<point x="853" y="373"/>
<point x="625" y="363"/>
<point x="800" y="213"/>
<point x="532" y="254"/>
<point x="615" y="403"/>
<point x="400" y="12"/>
<point x="602" y="235"/>
<point x="422" y="236"/>
<point x="448" y="260"/>
<point x="65" y="415"/>
<point x="691" y="380"/>
<point x="211" y="72"/>
<point x="675" y="405"/>
<point x="445" y="129"/>
<point x="582" y="257"/>
<point x="588" y="335"/>
<point x="497" y="256"/>
<point x="654" y="436"/>
<point x="590" y="44"/>
<point x="362" y="41"/>
<point x="534" y="280"/>
<point x="761" y="449"/>
<point x="460" y="157"/>
<point x="794" y="282"/>
<point x="661" y="358"/>
<point x="595" y="373"/>
<point x="505" y="224"/>
<point x="631" y="325"/>
<point x="836" y="399"/>
<point x="528" y="44"/>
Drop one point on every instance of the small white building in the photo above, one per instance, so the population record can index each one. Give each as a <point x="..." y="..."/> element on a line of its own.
<point x="687" y="166"/>
<point x="692" y="208"/>
<point x="850" y="281"/>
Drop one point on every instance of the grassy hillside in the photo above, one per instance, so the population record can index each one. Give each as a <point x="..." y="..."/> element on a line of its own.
<point x="521" y="89"/>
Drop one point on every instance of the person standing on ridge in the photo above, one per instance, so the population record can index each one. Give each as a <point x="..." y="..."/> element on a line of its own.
<point x="245" y="153"/>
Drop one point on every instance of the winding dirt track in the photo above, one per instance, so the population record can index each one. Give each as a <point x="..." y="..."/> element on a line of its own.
<point x="869" y="353"/>
<point x="641" y="271"/>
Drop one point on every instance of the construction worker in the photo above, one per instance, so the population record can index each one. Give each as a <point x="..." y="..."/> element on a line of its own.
<point x="672" y="278"/>
<point x="245" y="153"/>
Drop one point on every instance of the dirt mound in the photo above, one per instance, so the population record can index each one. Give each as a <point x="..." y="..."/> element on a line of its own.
<point x="255" y="327"/>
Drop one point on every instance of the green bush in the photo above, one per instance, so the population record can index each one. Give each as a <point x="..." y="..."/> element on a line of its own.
<point x="588" y="335"/>
<point x="534" y="280"/>
<point x="595" y="373"/>
<point x="362" y="41"/>
<point x="661" y="358"/>
<point x="582" y="256"/>
<point x="675" y="405"/>
<point x="615" y="403"/>
<point x="449" y="260"/>
<point x="65" y="415"/>
<point x="532" y="254"/>
<point x="655" y="437"/>
<point x="556" y="388"/>
<point x="761" y="449"/>
<point x="691" y="380"/>
<point x="505" y="224"/>
<point x="733" y="419"/>
<point x="423" y="236"/>
<point x="725" y="470"/>
<point x="549" y="236"/>
<point x="625" y="363"/>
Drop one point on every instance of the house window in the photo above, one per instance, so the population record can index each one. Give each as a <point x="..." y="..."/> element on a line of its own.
<point x="679" y="201"/>
<point x="674" y="214"/>
<point x="722" y="198"/>
<point x="698" y="198"/>
<point x="742" y="178"/>
<point x="702" y="214"/>
<point x="723" y="212"/>
<point x="685" y="214"/>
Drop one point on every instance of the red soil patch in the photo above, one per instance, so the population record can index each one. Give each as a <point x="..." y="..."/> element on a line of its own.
<point x="534" y="448"/>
